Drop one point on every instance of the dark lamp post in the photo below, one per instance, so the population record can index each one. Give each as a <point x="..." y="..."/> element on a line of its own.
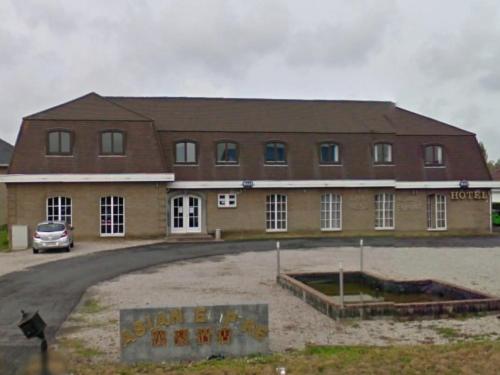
<point x="33" y="325"/>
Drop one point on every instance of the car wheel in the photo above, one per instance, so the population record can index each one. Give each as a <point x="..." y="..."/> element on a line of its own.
<point x="72" y="244"/>
<point x="35" y="251"/>
<point x="67" y="249"/>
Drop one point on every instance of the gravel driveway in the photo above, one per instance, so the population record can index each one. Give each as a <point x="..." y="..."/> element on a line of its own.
<point x="250" y="277"/>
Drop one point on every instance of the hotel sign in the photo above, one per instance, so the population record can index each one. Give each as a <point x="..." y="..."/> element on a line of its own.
<point x="247" y="184"/>
<point x="192" y="333"/>
<point x="469" y="195"/>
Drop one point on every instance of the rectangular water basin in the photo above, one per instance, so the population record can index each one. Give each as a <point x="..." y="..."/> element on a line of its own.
<point x="368" y="295"/>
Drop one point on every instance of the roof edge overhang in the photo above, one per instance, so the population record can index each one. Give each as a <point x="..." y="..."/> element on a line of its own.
<point x="93" y="177"/>
<point x="400" y="185"/>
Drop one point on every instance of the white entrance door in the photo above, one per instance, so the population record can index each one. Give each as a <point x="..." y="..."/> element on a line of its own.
<point x="185" y="214"/>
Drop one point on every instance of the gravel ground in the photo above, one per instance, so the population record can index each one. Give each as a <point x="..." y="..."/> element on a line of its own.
<point x="20" y="260"/>
<point x="250" y="277"/>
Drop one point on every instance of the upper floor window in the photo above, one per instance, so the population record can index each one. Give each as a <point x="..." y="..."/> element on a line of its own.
<point x="382" y="153"/>
<point x="59" y="142"/>
<point x="433" y="155"/>
<point x="329" y="153"/>
<point x="112" y="142"/>
<point x="185" y="152"/>
<point x="227" y="153"/>
<point x="275" y="152"/>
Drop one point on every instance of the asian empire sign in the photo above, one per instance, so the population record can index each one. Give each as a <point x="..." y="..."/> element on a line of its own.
<point x="190" y="333"/>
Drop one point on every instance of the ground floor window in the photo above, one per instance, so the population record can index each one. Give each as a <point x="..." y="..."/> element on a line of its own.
<point x="436" y="212"/>
<point x="59" y="209"/>
<point x="331" y="212"/>
<point x="112" y="216"/>
<point x="276" y="213"/>
<point x="226" y="200"/>
<point x="384" y="211"/>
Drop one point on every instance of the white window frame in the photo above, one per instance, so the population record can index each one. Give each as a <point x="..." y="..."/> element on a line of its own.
<point x="381" y="206"/>
<point x="186" y="144"/>
<point x="437" y="204"/>
<point x="227" y="200"/>
<point x="336" y="153"/>
<point x="389" y="154"/>
<point x="437" y="152"/>
<point x="58" y="207"/>
<point x="275" y="205"/>
<point x="112" y="234"/>
<point x="330" y="212"/>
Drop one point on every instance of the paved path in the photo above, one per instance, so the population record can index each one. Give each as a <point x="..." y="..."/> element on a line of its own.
<point x="21" y="259"/>
<point x="55" y="288"/>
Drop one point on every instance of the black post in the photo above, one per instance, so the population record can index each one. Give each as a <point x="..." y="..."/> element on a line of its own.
<point x="45" y="355"/>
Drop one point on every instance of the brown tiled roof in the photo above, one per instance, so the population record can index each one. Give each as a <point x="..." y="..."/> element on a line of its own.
<point x="258" y="115"/>
<point x="301" y="124"/>
<point x="278" y="115"/>
<point x="88" y="107"/>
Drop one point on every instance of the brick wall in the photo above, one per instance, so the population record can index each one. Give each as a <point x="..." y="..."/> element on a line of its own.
<point x="464" y="217"/>
<point x="146" y="209"/>
<point x="144" y="206"/>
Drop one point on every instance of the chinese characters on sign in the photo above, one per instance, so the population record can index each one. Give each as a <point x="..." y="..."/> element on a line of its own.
<point x="159" y="334"/>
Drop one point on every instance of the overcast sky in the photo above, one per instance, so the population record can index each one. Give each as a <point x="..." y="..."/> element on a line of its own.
<point x="439" y="58"/>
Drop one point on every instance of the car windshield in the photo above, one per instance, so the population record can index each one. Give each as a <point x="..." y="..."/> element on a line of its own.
<point x="50" y="227"/>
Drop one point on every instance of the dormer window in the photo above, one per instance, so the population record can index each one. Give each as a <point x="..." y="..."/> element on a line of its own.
<point x="433" y="155"/>
<point x="59" y="142"/>
<point x="382" y="153"/>
<point x="185" y="152"/>
<point x="329" y="153"/>
<point x="227" y="153"/>
<point x="112" y="142"/>
<point x="275" y="153"/>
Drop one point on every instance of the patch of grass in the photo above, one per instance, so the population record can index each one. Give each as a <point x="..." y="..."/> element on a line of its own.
<point x="459" y="358"/>
<point x="77" y="318"/>
<point x="346" y="354"/>
<point x="4" y="238"/>
<point x="447" y="332"/>
<point x="78" y="348"/>
<point x="467" y="316"/>
<point x="91" y="306"/>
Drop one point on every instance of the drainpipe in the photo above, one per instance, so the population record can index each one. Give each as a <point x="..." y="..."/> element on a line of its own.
<point x="361" y="255"/>
<point x="491" y="210"/>
<point x="341" y="285"/>
<point x="278" y="260"/>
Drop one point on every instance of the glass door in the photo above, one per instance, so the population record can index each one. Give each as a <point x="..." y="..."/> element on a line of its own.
<point x="177" y="214"/>
<point x="185" y="214"/>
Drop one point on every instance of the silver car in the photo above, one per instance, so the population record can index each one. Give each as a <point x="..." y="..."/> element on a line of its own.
<point x="52" y="235"/>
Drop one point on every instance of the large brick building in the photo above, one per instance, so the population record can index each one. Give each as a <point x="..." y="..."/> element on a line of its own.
<point x="154" y="167"/>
